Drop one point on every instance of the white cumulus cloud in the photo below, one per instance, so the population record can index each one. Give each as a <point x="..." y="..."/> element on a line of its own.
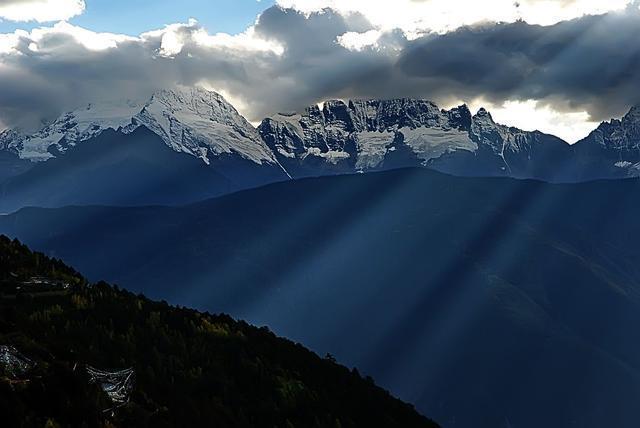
<point x="532" y="115"/>
<point x="40" y="10"/>
<point x="357" y="41"/>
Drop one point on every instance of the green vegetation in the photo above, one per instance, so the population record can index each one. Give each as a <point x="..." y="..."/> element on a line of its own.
<point x="192" y="369"/>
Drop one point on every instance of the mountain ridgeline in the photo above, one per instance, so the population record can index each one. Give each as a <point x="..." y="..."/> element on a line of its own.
<point x="191" y="368"/>
<point x="193" y="143"/>
<point x="486" y="302"/>
<point x="375" y="135"/>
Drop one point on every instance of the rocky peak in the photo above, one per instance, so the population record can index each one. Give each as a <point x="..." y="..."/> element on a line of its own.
<point x="460" y="117"/>
<point x="484" y="115"/>
<point x="482" y="123"/>
<point x="411" y="113"/>
<point x="8" y="137"/>
<point x="617" y="135"/>
<point x="633" y="116"/>
<point x="631" y="125"/>
<point x="337" y="113"/>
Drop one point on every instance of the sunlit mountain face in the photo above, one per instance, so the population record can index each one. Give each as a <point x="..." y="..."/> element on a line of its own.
<point x="442" y="196"/>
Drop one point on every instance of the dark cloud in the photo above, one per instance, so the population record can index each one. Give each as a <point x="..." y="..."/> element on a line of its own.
<point x="590" y="63"/>
<point x="306" y="36"/>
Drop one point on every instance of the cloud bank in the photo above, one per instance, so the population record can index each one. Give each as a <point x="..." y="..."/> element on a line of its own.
<point x="588" y="67"/>
<point x="417" y="16"/>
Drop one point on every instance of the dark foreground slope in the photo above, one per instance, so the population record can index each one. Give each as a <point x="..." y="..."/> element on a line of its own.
<point x="486" y="302"/>
<point x="192" y="369"/>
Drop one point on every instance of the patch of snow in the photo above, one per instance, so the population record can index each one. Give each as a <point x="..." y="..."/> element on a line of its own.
<point x="632" y="169"/>
<point x="285" y="153"/>
<point x="372" y="147"/>
<point x="332" y="156"/>
<point x="431" y="143"/>
<point x="292" y="122"/>
<point x="623" y="164"/>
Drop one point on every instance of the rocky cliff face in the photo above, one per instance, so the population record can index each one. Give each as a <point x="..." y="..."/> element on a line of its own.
<point x="360" y="136"/>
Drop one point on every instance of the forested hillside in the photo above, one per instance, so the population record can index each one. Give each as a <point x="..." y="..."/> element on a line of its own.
<point x="191" y="368"/>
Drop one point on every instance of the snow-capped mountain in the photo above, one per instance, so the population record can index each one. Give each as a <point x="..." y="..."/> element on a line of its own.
<point x="194" y="121"/>
<point x="201" y="123"/>
<point x="613" y="149"/>
<point x="359" y="136"/>
<point x="178" y="146"/>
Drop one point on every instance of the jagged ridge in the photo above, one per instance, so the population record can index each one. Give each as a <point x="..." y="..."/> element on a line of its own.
<point x="363" y="135"/>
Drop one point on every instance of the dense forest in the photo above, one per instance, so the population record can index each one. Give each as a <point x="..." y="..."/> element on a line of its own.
<point x="191" y="368"/>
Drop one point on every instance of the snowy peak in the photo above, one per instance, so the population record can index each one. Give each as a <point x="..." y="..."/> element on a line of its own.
<point x="190" y="120"/>
<point x="203" y="124"/>
<point x="196" y="103"/>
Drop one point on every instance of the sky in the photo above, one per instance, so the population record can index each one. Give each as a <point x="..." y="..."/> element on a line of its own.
<point x="560" y="66"/>
<point x="230" y="16"/>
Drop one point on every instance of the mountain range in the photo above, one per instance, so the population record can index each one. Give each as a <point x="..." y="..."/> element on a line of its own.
<point x="55" y="167"/>
<point x="486" y="302"/>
